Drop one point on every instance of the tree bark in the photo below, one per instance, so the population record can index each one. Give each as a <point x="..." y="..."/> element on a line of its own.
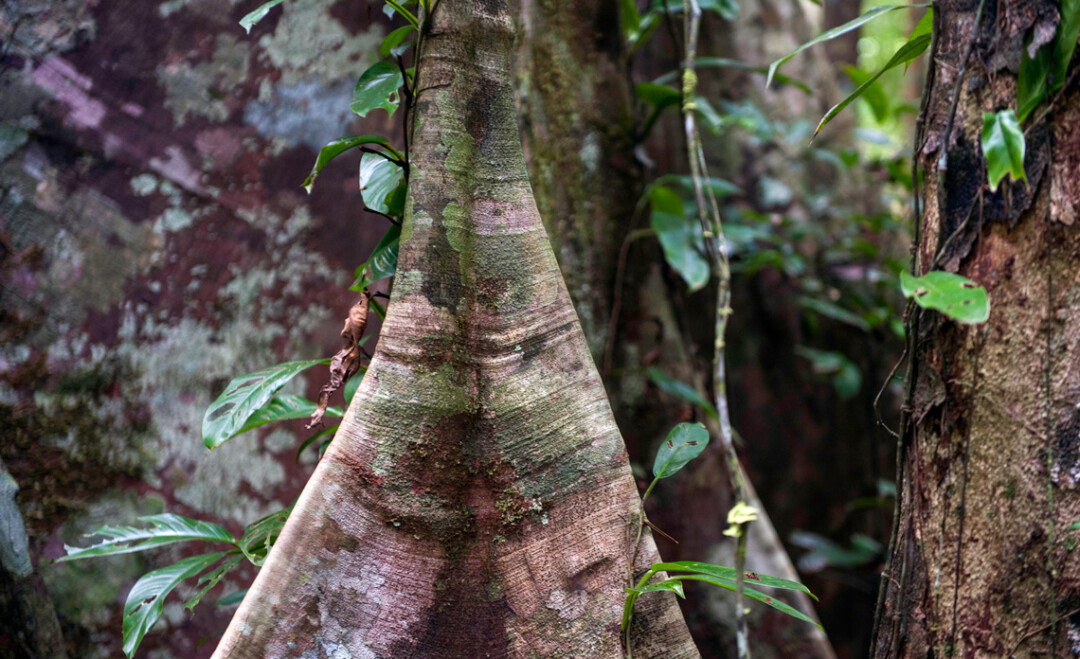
<point x="982" y="563"/>
<point x="477" y="500"/>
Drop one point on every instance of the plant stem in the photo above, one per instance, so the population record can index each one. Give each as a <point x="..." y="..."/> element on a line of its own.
<point x="711" y="226"/>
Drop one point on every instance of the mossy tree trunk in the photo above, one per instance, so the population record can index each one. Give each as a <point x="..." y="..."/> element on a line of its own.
<point x="983" y="563"/>
<point x="477" y="500"/>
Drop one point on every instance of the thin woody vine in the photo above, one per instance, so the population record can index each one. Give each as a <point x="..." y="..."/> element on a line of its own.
<point x="256" y="399"/>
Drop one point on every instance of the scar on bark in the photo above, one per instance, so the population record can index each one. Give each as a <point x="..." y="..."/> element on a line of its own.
<point x="346" y="362"/>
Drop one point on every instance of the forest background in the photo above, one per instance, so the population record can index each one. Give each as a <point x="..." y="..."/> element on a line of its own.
<point x="157" y="243"/>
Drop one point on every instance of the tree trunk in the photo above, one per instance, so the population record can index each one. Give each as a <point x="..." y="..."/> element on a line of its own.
<point x="982" y="563"/>
<point x="477" y="500"/>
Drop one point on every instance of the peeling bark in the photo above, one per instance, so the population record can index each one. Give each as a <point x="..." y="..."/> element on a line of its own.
<point x="477" y="500"/>
<point x="982" y="564"/>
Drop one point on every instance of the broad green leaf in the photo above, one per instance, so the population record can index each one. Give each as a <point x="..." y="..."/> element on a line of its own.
<point x="683" y="245"/>
<point x="725" y="63"/>
<point x="249" y="20"/>
<point x="377" y="88"/>
<point x="284" y="408"/>
<point x="335" y="149"/>
<point x="244" y="396"/>
<point x="752" y="593"/>
<point x="835" y="32"/>
<point x="672" y="585"/>
<point x="379" y="178"/>
<point x="1003" y="146"/>
<point x="1031" y="88"/>
<point x="679" y="389"/>
<point x="164" y="530"/>
<point x="234" y="597"/>
<point x="259" y="536"/>
<point x="144" y="602"/>
<point x="955" y="296"/>
<point x="843" y="372"/>
<point x="723" y="572"/>
<point x="631" y="20"/>
<point x="834" y="311"/>
<point x="207" y="581"/>
<point x="1067" y="34"/>
<point x="915" y="45"/>
<point x="685" y="442"/>
<point x="381" y="264"/>
<point x="392" y="46"/>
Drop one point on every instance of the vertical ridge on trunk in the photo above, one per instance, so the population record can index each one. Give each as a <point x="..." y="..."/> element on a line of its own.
<point x="477" y="500"/>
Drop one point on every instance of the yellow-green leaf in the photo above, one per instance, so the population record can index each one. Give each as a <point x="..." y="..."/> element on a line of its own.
<point x="1003" y="147"/>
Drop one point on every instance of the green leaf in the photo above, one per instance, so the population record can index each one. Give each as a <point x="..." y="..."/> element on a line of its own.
<point x="322" y="433"/>
<point x="1031" y="88"/>
<point x="207" y="581"/>
<point x="915" y="45"/>
<point x="728" y="9"/>
<point x="394" y="5"/>
<point x="834" y="311"/>
<point x="1067" y="34"/>
<point x="284" y="408"/>
<point x="872" y="92"/>
<point x="685" y="442"/>
<point x="164" y="530"/>
<point x="1003" y="146"/>
<point x="658" y="96"/>
<point x="377" y="88"/>
<point x="335" y="149"/>
<point x="259" y="536"/>
<point x="753" y="594"/>
<point x="392" y="46"/>
<point x="724" y="572"/>
<point x="379" y="178"/>
<point x="835" y="32"/>
<point x="631" y="21"/>
<point x="1073" y="527"/>
<point x="955" y="296"/>
<point x="845" y="375"/>
<point x="671" y="585"/>
<point x="679" y="389"/>
<point x="234" y="597"/>
<point x="244" y="396"/>
<point x="680" y="237"/>
<point x="249" y="20"/>
<point x="144" y="602"/>
<point x="382" y="263"/>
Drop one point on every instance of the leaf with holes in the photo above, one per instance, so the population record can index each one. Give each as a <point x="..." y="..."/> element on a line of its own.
<point x="377" y="88"/>
<point x="679" y="389"/>
<point x="955" y="296"/>
<point x="259" y="536"/>
<point x="338" y="147"/>
<point x="244" y="396"/>
<point x="251" y="18"/>
<point x="164" y="530"/>
<point x="685" y="442"/>
<point x="380" y="181"/>
<point x="1065" y="42"/>
<point x="144" y="602"/>
<point x="1003" y="146"/>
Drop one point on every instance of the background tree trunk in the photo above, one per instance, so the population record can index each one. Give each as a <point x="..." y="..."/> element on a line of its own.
<point x="983" y="563"/>
<point x="478" y="485"/>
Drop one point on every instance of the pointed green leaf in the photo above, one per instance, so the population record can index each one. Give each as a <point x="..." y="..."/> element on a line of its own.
<point x="752" y="593"/>
<point x="392" y="46"/>
<point x="164" y="530"/>
<point x="685" y="442"/>
<point x="679" y="389"/>
<point x="1003" y="146"/>
<point x="1031" y="85"/>
<point x="918" y="42"/>
<point x="631" y="21"/>
<point x="381" y="264"/>
<point x="259" y="536"/>
<point x="836" y="32"/>
<point x="377" y="88"/>
<point x="395" y="6"/>
<point x="379" y="178"/>
<point x="955" y="296"/>
<point x="322" y="433"/>
<point x="672" y="585"/>
<point x="249" y="20"/>
<point x="723" y="572"/>
<point x="658" y="96"/>
<point x="680" y="237"/>
<point x="144" y="602"/>
<point x="336" y="148"/>
<point x="207" y="581"/>
<point x="244" y="396"/>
